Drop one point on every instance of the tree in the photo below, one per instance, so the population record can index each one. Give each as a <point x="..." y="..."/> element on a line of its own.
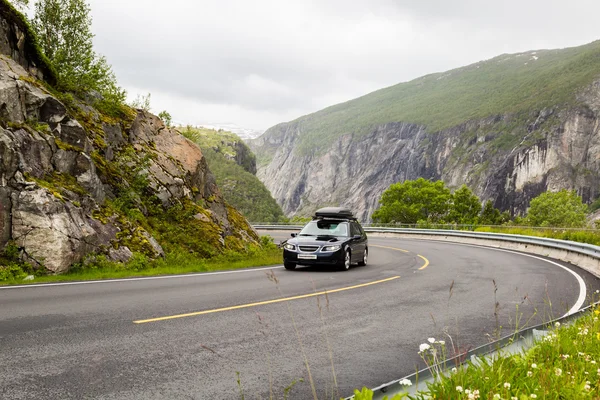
<point x="142" y="102"/>
<point x="557" y="209"/>
<point x="64" y="30"/>
<point x="21" y="4"/>
<point x="465" y="206"/>
<point x="490" y="215"/>
<point x="166" y="117"/>
<point x="412" y="201"/>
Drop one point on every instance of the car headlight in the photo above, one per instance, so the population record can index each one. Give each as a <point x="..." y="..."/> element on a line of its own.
<point x="288" y="246"/>
<point x="332" y="248"/>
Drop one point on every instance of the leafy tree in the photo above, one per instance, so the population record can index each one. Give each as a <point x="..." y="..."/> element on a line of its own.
<point x="465" y="206"/>
<point x="142" y="102"/>
<point x="412" y="201"/>
<point x="561" y="209"/>
<point x="64" y="30"/>
<point x="166" y="117"/>
<point x="21" y="4"/>
<point x="490" y="215"/>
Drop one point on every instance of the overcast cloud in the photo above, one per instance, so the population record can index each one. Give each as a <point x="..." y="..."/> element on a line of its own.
<point x="257" y="63"/>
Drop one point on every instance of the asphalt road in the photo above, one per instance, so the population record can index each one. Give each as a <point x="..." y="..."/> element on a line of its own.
<point x="81" y="341"/>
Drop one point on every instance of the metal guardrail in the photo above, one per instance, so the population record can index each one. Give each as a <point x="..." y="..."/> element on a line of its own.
<point x="517" y="341"/>
<point x="582" y="248"/>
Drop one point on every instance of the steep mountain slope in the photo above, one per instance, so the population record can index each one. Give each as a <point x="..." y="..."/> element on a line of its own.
<point x="75" y="181"/>
<point x="510" y="128"/>
<point x="234" y="166"/>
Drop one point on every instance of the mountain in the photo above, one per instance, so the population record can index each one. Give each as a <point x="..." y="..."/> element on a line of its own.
<point x="243" y="133"/>
<point x="510" y="128"/>
<point x="79" y="179"/>
<point x="234" y="166"/>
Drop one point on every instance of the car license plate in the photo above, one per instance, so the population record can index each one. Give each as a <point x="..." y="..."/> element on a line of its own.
<point x="307" y="256"/>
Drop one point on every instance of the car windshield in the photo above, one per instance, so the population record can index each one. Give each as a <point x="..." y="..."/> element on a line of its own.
<point x="325" y="228"/>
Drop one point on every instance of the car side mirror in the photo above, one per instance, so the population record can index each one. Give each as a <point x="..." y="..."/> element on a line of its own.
<point x="356" y="237"/>
<point x="293" y="235"/>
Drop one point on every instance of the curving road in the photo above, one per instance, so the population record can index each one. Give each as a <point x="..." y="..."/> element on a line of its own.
<point x="132" y="339"/>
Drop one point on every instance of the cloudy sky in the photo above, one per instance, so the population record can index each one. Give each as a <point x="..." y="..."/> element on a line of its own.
<point x="260" y="62"/>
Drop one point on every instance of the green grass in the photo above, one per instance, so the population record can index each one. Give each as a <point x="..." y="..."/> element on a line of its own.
<point x="173" y="263"/>
<point x="514" y="84"/>
<point x="565" y="364"/>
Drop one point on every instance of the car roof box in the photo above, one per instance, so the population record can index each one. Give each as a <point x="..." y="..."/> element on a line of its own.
<point x="334" y="212"/>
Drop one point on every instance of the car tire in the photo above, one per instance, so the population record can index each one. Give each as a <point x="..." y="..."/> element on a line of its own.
<point x="364" y="260"/>
<point x="345" y="263"/>
<point x="289" y="266"/>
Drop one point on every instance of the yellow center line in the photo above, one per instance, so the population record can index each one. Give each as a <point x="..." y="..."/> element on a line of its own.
<point x="304" y="296"/>
<point x="405" y="251"/>
<point x="391" y="248"/>
<point x="426" y="262"/>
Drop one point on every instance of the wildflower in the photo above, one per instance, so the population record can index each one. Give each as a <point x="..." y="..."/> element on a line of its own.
<point x="406" y="382"/>
<point x="598" y="371"/>
<point x="564" y="356"/>
<point x="459" y="389"/>
<point x="424" y="347"/>
<point x="597" y="312"/>
<point x="558" y="371"/>
<point x="533" y="396"/>
<point x="593" y="361"/>
<point x="534" y="365"/>
<point x="557" y="324"/>
<point x="467" y="391"/>
<point x="442" y="342"/>
<point x="496" y="396"/>
<point x="529" y="373"/>
<point x="580" y="354"/>
<point x="598" y="335"/>
<point x="487" y="378"/>
<point x="587" y="387"/>
<point x="454" y="370"/>
<point x="431" y="340"/>
<point x="507" y="385"/>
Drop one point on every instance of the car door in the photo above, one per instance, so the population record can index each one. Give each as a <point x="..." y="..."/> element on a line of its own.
<point x="357" y="245"/>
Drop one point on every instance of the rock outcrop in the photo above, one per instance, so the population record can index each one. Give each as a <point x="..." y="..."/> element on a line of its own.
<point x="64" y="166"/>
<point x="555" y="148"/>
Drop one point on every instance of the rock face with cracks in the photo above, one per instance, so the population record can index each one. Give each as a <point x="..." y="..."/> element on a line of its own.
<point x="60" y="165"/>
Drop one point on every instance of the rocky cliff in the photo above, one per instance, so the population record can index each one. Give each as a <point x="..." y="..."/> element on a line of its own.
<point x="75" y="181"/>
<point x="506" y="157"/>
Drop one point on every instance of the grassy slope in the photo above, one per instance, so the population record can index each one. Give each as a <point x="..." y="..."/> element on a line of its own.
<point x="506" y="84"/>
<point x="240" y="188"/>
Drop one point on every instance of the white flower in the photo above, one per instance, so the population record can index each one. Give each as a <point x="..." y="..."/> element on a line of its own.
<point x="507" y="385"/>
<point x="406" y="382"/>
<point x="558" y="371"/>
<point x="587" y="387"/>
<point x="598" y="371"/>
<point x="431" y="340"/>
<point x="454" y="370"/>
<point x="529" y="373"/>
<point x="533" y="396"/>
<point x="597" y="291"/>
<point x="496" y="396"/>
<point x="534" y="366"/>
<point x="580" y="354"/>
<point x="459" y="389"/>
<point x="557" y="324"/>
<point x="514" y="398"/>
<point x="592" y="362"/>
<point x="442" y="342"/>
<point x="424" y="347"/>
<point x="564" y="356"/>
<point x="467" y="391"/>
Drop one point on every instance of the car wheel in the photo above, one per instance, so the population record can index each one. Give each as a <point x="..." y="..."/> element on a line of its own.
<point x="289" y="266"/>
<point x="364" y="260"/>
<point x="345" y="265"/>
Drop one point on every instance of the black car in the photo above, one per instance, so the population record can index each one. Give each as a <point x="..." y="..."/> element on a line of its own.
<point x="334" y="237"/>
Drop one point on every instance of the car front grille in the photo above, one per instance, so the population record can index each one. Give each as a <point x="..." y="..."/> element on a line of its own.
<point x="308" y="249"/>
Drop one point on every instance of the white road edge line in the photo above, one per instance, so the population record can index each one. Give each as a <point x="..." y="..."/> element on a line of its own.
<point x="146" y="278"/>
<point x="582" y="289"/>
